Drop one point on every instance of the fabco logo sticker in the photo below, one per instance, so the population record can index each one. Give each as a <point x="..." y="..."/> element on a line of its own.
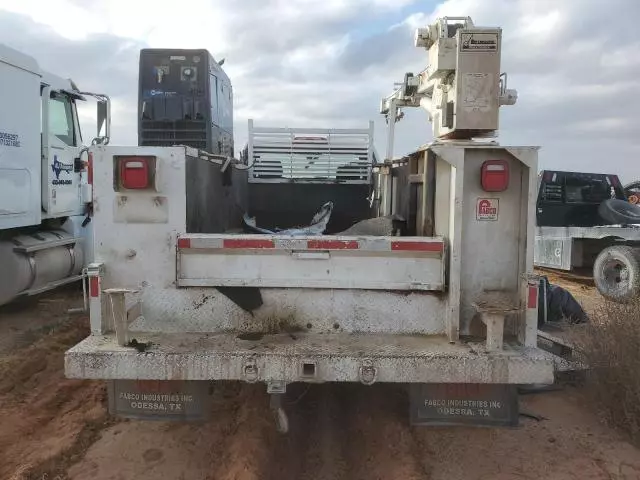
<point x="487" y="209"/>
<point x="479" y="42"/>
<point x="58" y="167"/>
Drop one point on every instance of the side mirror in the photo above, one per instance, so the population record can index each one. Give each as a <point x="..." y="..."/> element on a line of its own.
<point x="104" y="120"/>
<point x="104" y="117"/>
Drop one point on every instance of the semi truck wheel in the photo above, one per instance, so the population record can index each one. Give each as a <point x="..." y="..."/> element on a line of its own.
<point x="616" y="273"/>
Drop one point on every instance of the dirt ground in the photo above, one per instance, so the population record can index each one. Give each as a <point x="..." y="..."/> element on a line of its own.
<point x="55" y="428"/>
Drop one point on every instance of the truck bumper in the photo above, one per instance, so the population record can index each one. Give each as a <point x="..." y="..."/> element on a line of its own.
<point x="305" y="357"/>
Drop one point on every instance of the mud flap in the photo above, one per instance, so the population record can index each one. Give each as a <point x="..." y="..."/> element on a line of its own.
<point x="462" y="404"/>
<point x="247" y="298"/>
<point x="160" y="399"/>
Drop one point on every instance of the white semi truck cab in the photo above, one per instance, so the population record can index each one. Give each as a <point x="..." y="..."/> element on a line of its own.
<point x="45" y="189"/>
<point x="450" y="310"/>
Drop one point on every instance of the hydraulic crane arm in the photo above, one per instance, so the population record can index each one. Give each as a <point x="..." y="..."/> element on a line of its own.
<point x="461" y="89"/>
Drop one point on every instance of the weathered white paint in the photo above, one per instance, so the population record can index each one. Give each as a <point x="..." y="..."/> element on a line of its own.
<point x="20" y="159"/>
<point x="338" y="320"/>
<point x="338" y="357"/>
<point x="325" y="310"/>
<point x="380" y="264"/>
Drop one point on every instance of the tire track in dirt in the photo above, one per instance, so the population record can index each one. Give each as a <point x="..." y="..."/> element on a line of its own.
<point x="380" y="438"/>
<point x="246" y="452"/>
<point x="323" y="435"/>
<point x="292" y="452"/>
<point x="314" y="448"/>
<point x="325" y="457"/>
<point x="346" y="432"/>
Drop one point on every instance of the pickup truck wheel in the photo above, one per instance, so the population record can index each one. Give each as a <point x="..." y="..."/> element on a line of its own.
<point x="619" y="212"/>
<point x="616" y="273"/>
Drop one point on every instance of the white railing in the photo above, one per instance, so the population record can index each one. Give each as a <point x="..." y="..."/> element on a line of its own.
<point x="310" y="155"/>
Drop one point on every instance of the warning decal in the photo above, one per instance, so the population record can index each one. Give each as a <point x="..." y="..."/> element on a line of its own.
<point x="487" y="209"/>
<point x="478" y="42"/>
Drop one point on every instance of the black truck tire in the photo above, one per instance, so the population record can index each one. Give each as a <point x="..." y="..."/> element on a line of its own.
<point x="616" y="273"/>
<point x="619" y="212"/>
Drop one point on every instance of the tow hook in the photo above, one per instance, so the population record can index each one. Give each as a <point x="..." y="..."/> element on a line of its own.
<point x="368" y="372"/>
<point x="277" y="390"/>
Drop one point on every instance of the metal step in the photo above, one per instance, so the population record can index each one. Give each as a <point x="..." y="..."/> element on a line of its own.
<point x="46" y="245"/>
<point x="561" y="350"/>
<point x="52" y="285"/>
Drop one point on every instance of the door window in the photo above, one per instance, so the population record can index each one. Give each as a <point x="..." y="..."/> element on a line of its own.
<point x="61" y="119"/>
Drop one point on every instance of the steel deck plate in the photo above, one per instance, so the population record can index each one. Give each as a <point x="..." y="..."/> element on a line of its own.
<point x="282" y="357"/>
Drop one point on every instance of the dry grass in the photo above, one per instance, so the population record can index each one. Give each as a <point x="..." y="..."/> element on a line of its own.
<point x="611" y="351"/>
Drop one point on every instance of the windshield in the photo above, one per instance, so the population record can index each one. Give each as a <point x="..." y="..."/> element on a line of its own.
<point x="588" y="189"/>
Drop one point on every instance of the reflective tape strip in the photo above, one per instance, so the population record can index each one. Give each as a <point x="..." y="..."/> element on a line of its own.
<point x="417" y="246"/>
<point x="184" y="243"/>
<point x="333" y="245"/>
<point x="532" y="301"/>
<point x="250" y="242"/>
<point x="94" y="286"/>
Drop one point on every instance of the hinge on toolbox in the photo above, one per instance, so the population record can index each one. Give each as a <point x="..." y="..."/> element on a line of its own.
<point x="311" y="255"/>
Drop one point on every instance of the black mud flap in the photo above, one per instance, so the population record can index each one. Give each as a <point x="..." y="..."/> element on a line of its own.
<point x="464" y="404"/>
<point x="160" y="399"/>
<point x="247" y="298"/>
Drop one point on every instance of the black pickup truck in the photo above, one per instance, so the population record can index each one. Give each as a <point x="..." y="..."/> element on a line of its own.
<point x="584" y="220"/>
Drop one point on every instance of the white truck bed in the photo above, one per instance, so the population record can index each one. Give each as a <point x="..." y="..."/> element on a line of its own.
<point x="561" y="247"/>
<point x="330" y="308"/>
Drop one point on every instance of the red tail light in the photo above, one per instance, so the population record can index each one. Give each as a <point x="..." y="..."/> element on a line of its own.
<point x="495" y="175"/>
<point x="90" y="169"/>
<point x="135" y="172"/>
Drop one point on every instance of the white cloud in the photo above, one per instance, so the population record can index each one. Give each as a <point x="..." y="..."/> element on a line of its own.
<point x="575" y="63"/>
<point x="64" y="17"/>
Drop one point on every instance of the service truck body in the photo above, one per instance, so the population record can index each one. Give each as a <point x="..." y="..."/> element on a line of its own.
<point x="350" y="309"/>
<point x="450" y="309"/>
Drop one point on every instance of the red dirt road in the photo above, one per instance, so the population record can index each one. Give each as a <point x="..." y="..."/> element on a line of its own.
<point x="51" y="427"/>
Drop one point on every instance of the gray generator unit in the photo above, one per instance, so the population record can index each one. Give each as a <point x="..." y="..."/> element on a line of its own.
<point x="185" y="98"/>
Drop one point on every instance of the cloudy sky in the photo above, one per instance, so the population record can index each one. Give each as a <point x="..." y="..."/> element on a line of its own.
<point x="327" y="63"/>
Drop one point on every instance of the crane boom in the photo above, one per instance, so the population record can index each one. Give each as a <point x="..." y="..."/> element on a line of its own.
<point x="462" y="89"/>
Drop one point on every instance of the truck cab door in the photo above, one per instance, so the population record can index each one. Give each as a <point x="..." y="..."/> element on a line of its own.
<point x="61" y="183"/>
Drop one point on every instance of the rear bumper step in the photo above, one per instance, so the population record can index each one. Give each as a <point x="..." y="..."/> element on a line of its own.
<point x="303" y="357"/>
